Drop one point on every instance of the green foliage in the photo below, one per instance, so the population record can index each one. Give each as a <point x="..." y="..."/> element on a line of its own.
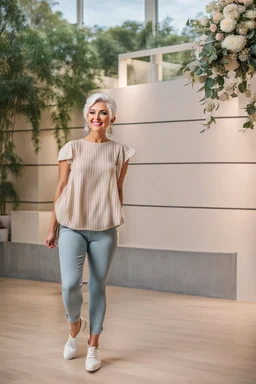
<point x="43" y="68"/>
<point x="216" y="57"/>
<point x="8" y="193"/>
<point x="39" y="14"/>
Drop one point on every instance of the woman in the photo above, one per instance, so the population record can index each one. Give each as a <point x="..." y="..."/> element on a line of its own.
<point x="88" y="207"/>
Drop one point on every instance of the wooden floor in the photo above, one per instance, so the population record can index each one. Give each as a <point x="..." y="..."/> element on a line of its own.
<point x="148" y="337"/>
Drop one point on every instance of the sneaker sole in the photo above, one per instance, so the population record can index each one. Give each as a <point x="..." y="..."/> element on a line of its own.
<point x="92" y="370"/>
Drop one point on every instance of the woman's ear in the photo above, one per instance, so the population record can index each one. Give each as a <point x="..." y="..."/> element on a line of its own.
<point x="113" y="120"/>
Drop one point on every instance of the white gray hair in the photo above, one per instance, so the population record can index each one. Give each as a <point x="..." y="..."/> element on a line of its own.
<point x="110" y="104"/>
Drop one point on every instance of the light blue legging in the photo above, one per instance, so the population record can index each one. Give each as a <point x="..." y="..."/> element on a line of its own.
<point x="73" y="245"/>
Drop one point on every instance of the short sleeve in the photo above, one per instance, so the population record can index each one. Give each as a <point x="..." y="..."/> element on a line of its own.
<point x="125" y="154"/>
<point x="65" y="153"/>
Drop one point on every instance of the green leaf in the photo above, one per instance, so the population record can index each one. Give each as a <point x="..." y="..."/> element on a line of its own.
<point x="253" y="63"/>
<point x="209" y="39"/>
<point x="208" y="93"/>
<point x="242" y="86"/>
<point x="248" y="125"/>
<point x="220" y="80"/>
<point x="251" y="110"/>
<point x="213" y="57"/>
<point x="209" y="83"/>
<point x="199" y="71"/>
<point x="250" y="34"/>
<point x="253" y="49"/>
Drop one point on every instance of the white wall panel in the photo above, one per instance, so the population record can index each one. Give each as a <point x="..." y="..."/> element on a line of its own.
<point x="200" y="230"/>
<point x="224" y="185"/>
<point x="24" y="147"/>
<point x="168" y="100"/>
<point x="221" y="185"/>
<point x="182" y="142"/>
<point x="27" y="185"/>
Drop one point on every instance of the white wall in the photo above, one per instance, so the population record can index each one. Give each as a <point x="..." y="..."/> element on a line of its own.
<point x="205" y="207"/>
<point x="194" y="206"/>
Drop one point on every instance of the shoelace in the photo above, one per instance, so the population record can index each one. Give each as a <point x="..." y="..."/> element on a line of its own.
<point x="71" y="342"/>
<point x="92" y="353"/>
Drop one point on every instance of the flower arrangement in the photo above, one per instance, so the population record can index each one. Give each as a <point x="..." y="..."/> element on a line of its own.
<point x="225" y="56"/>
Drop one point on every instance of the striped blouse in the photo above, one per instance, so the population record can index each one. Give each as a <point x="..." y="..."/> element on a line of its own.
<point x="90" y="198"/>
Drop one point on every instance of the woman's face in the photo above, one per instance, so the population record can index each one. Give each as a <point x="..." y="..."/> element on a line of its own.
<point x="98" y="117"/>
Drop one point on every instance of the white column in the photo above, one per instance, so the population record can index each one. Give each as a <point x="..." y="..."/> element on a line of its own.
<point x="151" y="11"/>
<point x="156" y="68"/>
<point x="122" y="72"/>
<point x="80" y="13"/>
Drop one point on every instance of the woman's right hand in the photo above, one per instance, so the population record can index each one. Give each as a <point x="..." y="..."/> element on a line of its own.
<point x="50" y="240"/>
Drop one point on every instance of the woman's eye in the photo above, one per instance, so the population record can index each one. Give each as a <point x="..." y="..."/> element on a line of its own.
<point x="104" y="113"/>
<point x="91" y="112"/>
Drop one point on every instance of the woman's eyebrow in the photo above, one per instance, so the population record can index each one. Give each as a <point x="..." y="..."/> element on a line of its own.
<point x="100" y="110"/>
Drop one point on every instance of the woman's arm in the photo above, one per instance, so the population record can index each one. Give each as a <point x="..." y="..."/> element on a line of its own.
<point x="64" y="170"/>
<point x="120" y="181"/>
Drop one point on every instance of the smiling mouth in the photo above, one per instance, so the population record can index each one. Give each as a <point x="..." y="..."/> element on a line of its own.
<point x="97" y="124"/>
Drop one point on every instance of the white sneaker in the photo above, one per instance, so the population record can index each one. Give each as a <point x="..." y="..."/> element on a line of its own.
<point x="93" y="360"/>
<point x="71" y="345"/>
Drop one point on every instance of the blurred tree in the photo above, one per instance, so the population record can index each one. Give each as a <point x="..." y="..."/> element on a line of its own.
<point x="39" y="13"/>
<point x="40" y="69"/>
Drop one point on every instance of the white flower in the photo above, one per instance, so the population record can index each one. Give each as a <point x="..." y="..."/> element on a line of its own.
<point x="242" y="30"/>
<point x="215" y="73"/>
<point x="231" y="11"/>
<point x="216" y="17"/>
<point x="203" y="21"/>
<point x="212" y="6"/>
<point x="250" y="24"/>
<point x="241" y="8"/>
<point x="227" y="25"/>
<point x="250" y="14"/>
<point x="244" y="55"/>
<point x="213" y="28"/>
<point x="248" y="93"/>
<point x="234" y="43"/>
<point x="209" y="105"/>
<point x="197" y="54"/>
<point x="253" y="117"/>
<point x="219" y="36"/>
<point x="246" y="2"/>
